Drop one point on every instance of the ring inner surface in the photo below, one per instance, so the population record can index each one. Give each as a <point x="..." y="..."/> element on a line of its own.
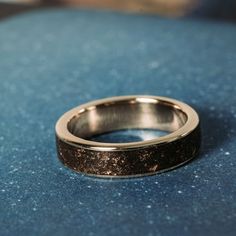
<point x="123" y="115"/>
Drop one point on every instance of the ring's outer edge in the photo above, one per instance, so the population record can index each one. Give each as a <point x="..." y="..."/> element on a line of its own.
<point x="126" y="163"/>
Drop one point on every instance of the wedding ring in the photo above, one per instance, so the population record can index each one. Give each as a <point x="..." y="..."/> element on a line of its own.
<point x="77" y="151"/>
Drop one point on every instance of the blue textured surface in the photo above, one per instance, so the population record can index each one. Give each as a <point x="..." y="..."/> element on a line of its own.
<point x="52" y="61"/>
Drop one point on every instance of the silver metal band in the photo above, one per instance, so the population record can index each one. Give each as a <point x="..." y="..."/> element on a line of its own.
<point x="76" y="126"/>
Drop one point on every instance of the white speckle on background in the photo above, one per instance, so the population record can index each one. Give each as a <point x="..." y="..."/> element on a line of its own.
<point x="168" y="217"/>
<point x="151" y="222"/>
<point x="153" y="64"/>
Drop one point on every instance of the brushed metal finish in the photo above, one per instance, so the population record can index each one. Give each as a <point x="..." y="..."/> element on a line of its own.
<point x="75" y="127"/>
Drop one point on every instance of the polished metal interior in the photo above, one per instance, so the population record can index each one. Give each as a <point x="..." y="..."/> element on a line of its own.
<point x="139" y="113"/>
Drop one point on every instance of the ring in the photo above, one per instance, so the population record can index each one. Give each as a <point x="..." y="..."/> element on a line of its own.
<point x="77" y="151"/>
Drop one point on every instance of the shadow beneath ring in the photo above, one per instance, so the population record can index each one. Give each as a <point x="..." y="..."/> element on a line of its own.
<point x="216" y="129"/>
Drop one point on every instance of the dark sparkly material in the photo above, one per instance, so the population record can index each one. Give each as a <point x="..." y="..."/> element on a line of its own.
<point x="148" y="160"/>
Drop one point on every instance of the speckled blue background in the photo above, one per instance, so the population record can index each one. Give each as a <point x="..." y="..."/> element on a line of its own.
<point x="54" y="60"/>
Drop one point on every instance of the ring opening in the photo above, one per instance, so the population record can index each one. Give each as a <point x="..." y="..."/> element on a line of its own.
<point x="138" y="114"/>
